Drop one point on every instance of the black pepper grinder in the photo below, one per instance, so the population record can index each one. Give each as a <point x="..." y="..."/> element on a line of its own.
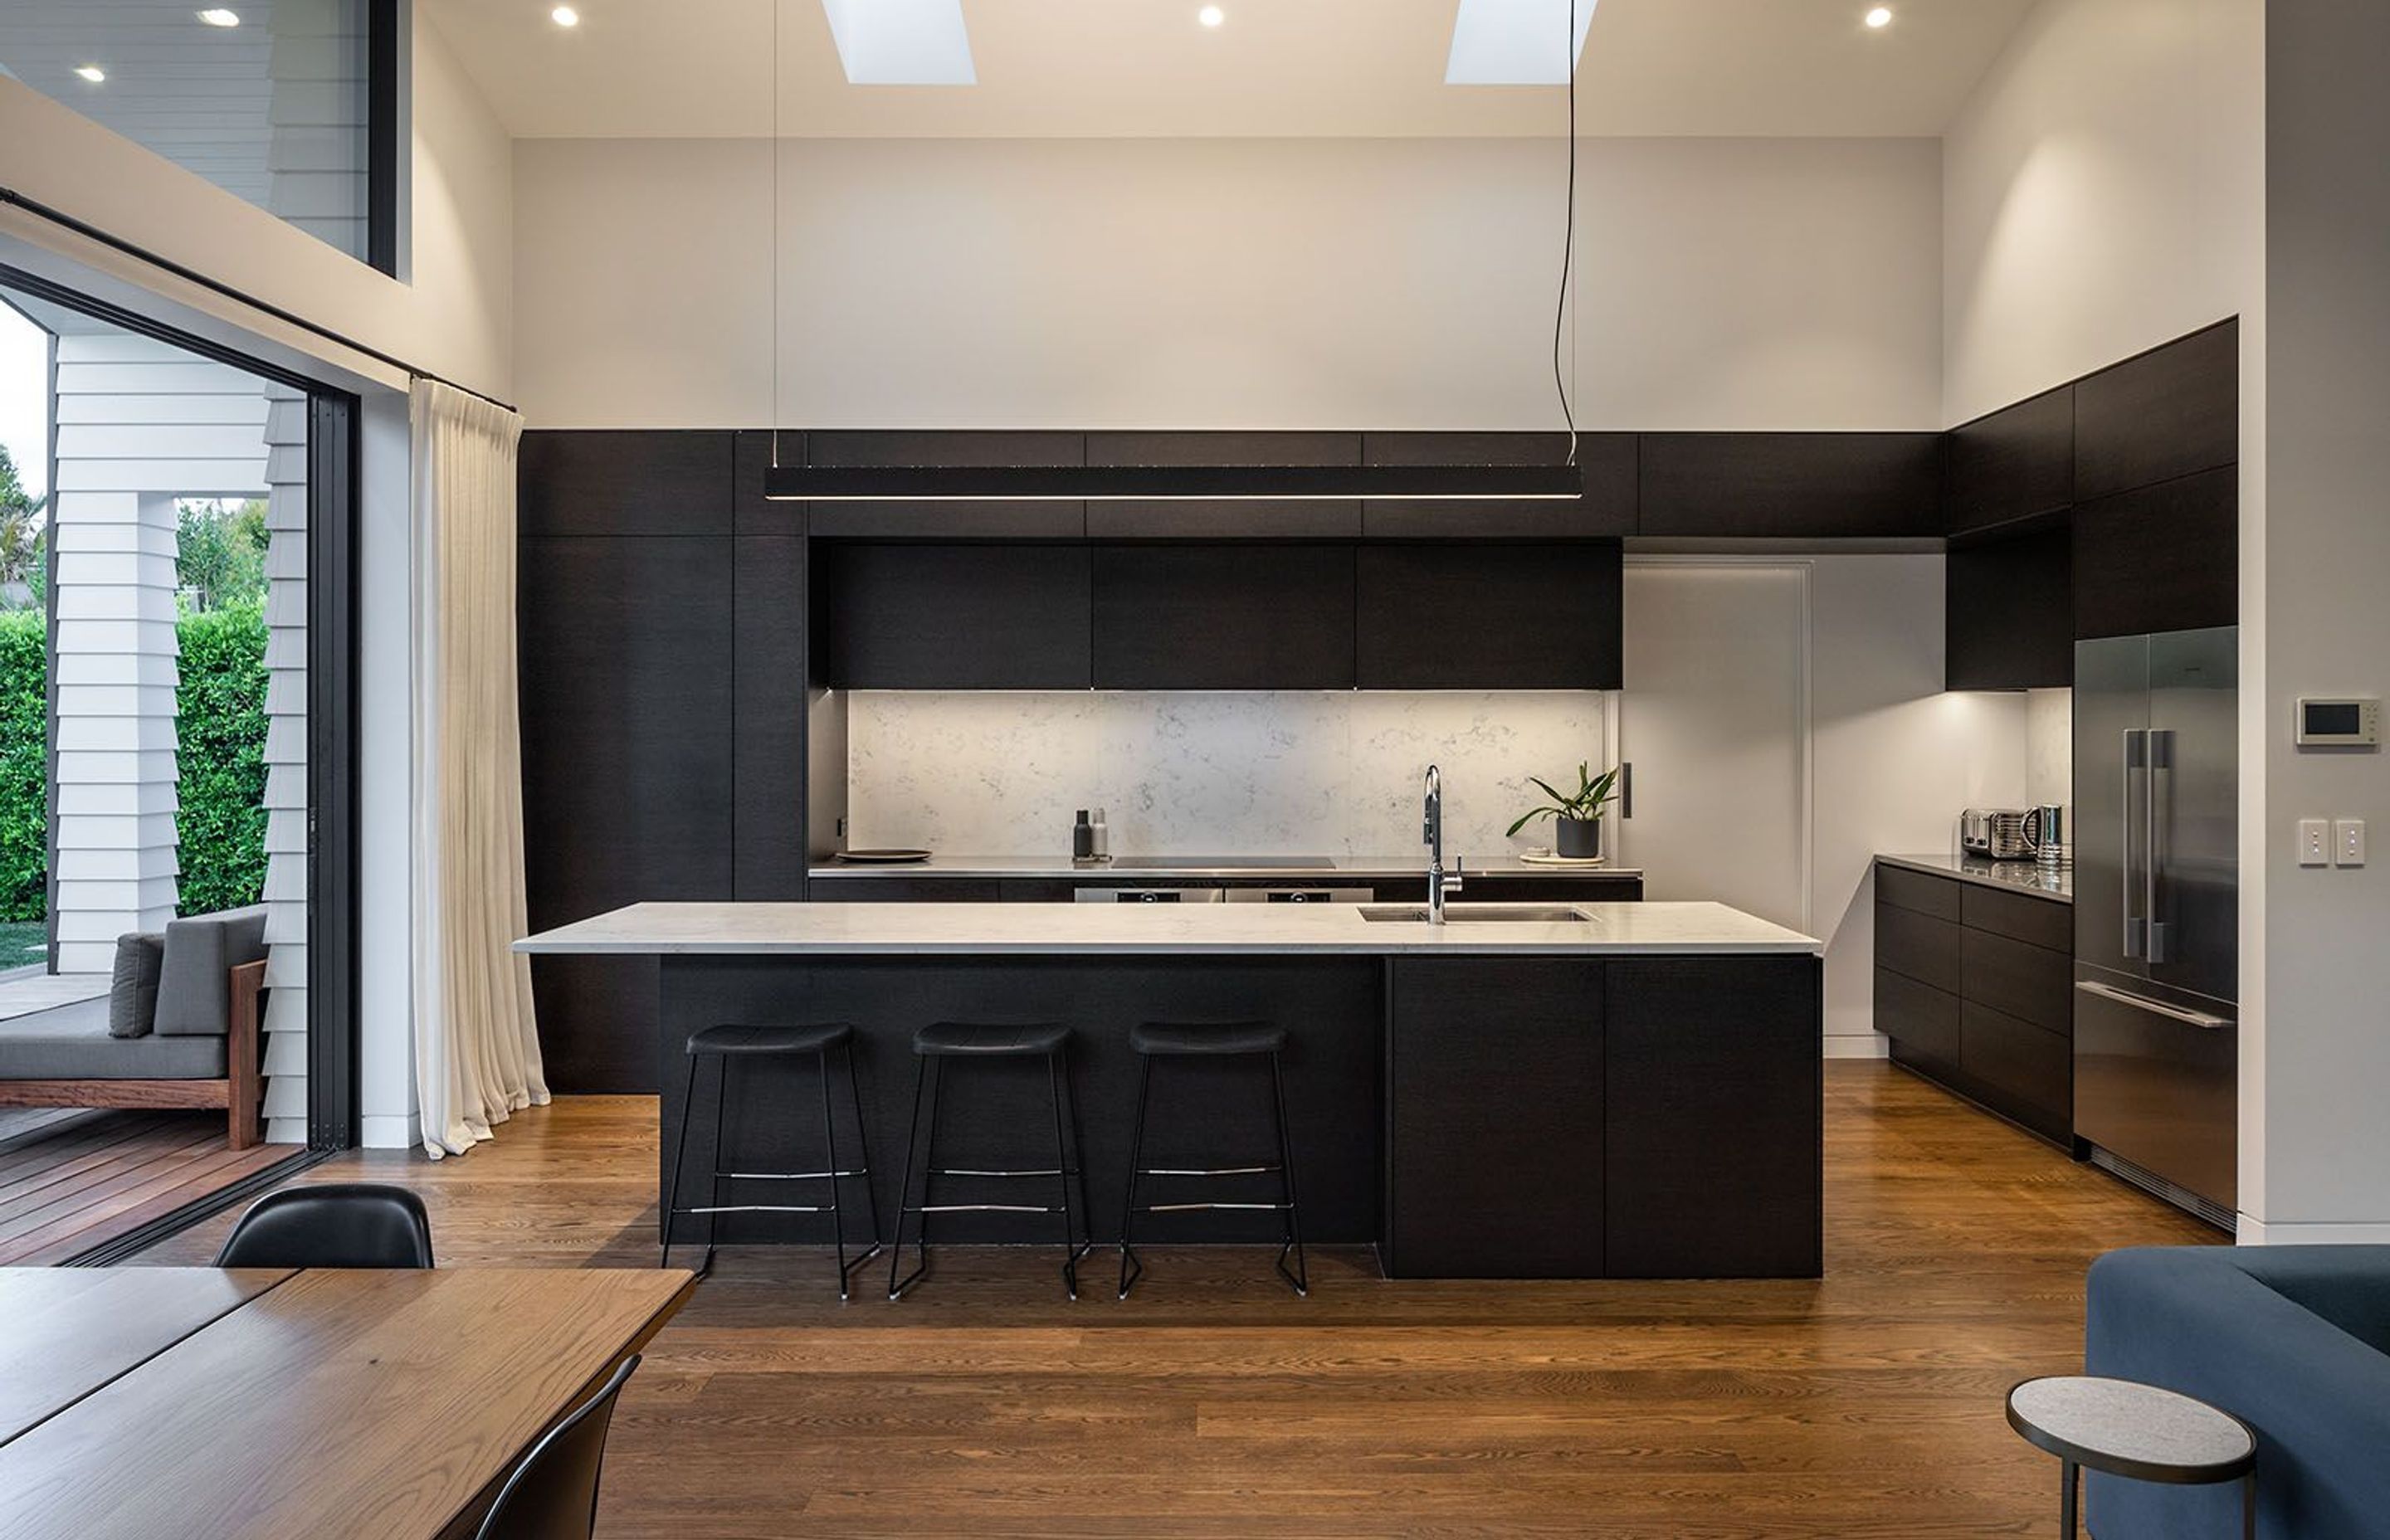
<point x="1083" y="838"/>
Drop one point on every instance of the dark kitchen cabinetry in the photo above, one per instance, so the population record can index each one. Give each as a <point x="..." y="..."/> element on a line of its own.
<point x="1494" y="1101"/>
<point x="2164" y="558"/>
<point x="1224" y="518"/>
<point x="628" y="753"/>
<point x="899" y="616"/>
<point x="1532" y="616"/>
<point x="1606" y="467"/>
<point x="907" y="889"/>
<point x="624" y="483"/>
<point x="1974" y="986"/>
<point x="1791" y="485"/>
<point x="2011" y="612"/>
<point x="2170" y="413"/>
<point x="1226" y="617"/>
<point x="2017" y="463"/>
<point x="945" y="521"/>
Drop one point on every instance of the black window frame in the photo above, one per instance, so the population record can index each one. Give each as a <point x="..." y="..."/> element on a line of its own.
<point x="386" y="38"/>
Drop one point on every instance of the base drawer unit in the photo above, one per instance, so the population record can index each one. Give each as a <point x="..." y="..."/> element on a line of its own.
<point x="1974" y="985"/>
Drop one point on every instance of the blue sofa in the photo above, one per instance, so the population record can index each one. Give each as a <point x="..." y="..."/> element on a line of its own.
<point x="2292" y="1340"/>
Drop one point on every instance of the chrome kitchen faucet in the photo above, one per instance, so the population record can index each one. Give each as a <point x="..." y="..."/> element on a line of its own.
<point x="1439" y="882"/>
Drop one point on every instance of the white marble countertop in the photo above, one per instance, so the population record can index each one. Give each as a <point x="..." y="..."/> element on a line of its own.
<point x="1127" y="873"/>
<point x="1070" y="929"/>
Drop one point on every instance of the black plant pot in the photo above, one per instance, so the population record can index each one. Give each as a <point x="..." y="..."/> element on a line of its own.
<point x="1577" y="839"/>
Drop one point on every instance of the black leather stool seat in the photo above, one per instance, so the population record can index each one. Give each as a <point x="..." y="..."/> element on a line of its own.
<point x="1180" y="1039"/>
<point x="973" y="1040"/>
<point x="737" y="1038"/>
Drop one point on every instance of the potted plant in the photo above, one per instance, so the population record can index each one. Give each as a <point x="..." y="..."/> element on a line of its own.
<point x="1576" y="819"/>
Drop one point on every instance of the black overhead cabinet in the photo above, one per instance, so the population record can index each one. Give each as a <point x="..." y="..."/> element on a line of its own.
<point x="2164" y="558"/>
<point x="2017" y="463"/>
<point x="937" y="520"/>
<point x="2169" y="413"/>
<point x="989" y="617"/>
<point x="1534" y="616"/>
<point x="1236" y="519"/>
<point x="1232" y="617"/>
<point x="1797" y="486"/>
<point x="1606" y="468"/>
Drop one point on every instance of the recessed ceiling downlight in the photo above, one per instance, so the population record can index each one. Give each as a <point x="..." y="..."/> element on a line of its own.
<point x="218" y="15"/>
<point x="1880" y="18"/>
<point x="565" y="15"/>
<point x="1211" y="16"/>
<point x="91" y="72"/>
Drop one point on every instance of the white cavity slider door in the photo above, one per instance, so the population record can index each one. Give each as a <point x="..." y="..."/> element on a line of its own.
<point x="1714" y="718"/>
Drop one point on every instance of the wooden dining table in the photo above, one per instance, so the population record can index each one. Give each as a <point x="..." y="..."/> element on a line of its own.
<point x="265" y="1403"/>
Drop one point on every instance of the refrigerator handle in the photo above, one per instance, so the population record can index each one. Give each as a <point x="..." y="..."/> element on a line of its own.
<point x="2199" y="1018"/>
<point x="2155" y="857"/>
<point x="2134" y="757"/>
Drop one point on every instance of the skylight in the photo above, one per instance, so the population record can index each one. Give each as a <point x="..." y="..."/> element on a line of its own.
<point x="1515" y="41"/>
<point x="904" y="42"/>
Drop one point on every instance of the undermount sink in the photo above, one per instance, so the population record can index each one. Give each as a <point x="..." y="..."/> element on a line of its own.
<point x="1521" y="913"/>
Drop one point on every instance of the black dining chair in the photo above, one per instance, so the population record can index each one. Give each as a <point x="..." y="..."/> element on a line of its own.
<point x="553" y="1493"/>
<point x="334" y="1225"/>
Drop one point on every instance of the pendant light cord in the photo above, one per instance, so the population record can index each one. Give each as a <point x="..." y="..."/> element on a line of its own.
<point x="1563" y="313"/>
<point x="775" y="204"/>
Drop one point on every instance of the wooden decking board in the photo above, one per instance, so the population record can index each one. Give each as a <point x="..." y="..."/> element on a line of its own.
<point x="94" y="1180"/>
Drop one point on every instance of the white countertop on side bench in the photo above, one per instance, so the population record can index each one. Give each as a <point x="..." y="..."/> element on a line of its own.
<point x="1070" y="929"/>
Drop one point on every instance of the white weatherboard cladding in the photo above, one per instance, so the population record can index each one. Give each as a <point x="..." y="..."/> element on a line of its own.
<point x="286" y="769"/>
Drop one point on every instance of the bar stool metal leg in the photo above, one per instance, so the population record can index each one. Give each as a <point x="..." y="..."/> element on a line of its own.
<point x="863" y="1149"/>
<point x="1301" y="1276"/>
<point x="1068" y="1169"/>
<point x="1131" y="1267"/>
<point x="713" y="1189"/>
<point x="680" y="1161"/>
<point x="929" y="1147"/>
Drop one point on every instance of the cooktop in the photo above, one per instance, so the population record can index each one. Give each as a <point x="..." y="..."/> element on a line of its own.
<point x="1223" y="863"/>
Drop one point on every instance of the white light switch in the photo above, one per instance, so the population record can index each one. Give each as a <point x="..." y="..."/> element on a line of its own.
<point x="2314" y="842"/>
<point x="2348" y="842"/>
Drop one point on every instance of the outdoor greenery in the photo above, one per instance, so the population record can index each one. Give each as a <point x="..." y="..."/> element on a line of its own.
<point x="24" y="554"/>
<point x="220" y="552"/>
<point x="222" y="760"/>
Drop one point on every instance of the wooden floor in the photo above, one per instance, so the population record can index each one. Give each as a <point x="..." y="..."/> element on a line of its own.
<point x="73" y="1180"/>
<point x="1213" y="1403"/>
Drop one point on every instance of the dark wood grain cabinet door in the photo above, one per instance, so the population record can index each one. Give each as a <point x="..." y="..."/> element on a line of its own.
<point x="934" y="520"/>
<point x="1238" y="519"/>
<point x="2170" y="413"/>
<point x="1713" y="1163"/>
<point x="2164" y="558"/>
<point x="1539" y="616"/>
<point x="769" y="710"/>
<point x="628" y="751"/>
<point x="1223" y="617"/>
<point x="2017" y="463"/>
<point x="2010" y="615"/>
<point x="1493" y="1085"/>
<point x="592" y="482"/>
<point x="1606" y="468"/>
<point x="930" y="617"/>
<point x="1791" y="485"/>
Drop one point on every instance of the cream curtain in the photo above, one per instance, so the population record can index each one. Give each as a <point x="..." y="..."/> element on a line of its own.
<point x="476" y="1044"/>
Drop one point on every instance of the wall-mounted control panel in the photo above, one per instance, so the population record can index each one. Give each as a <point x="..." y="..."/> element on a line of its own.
<point x="2339" y="722"/>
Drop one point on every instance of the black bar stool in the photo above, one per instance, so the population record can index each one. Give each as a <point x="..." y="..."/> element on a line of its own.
<point x="747" y="1043"/>
<point x="945" y="1040"/>
<point x="1155" y="1040"/>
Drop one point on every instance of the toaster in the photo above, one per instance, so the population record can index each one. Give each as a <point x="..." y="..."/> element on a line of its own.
<point x="2002" y="833"/>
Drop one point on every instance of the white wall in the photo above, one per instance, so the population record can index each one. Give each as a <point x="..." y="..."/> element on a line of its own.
<point x="2100" y="193"/>
<point x="1316" y="772"/>
<point x="1790" y="284"/>
<point x="2316" y="1163"/>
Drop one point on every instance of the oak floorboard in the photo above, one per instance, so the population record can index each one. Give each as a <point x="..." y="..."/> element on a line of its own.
<point x="1864" y="1405"/>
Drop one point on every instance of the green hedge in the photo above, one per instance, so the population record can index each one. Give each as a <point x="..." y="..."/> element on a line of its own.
<point x="220" y="742"/>
<point x="24" y="768"/>
<point x="222" y="760"/>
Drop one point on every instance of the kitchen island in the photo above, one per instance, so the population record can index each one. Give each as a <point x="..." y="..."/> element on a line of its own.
<point x="1620" y="1090"/>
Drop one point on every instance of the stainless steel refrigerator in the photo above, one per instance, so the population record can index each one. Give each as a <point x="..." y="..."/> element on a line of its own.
<point x="2157" y="911"/>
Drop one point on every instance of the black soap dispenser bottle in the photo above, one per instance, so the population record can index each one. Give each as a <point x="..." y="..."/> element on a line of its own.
<point x="1083" y="841"/>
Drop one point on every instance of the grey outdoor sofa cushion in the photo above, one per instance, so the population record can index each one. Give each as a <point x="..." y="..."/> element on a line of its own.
<point x="71" y="1043"/>
<point x="194" y="997"/>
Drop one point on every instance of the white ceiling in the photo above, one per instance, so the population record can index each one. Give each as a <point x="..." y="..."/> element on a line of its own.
<point x="1102" y="69"/>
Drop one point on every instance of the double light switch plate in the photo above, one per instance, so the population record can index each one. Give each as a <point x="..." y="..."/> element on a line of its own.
<point x="2331" y="842"/>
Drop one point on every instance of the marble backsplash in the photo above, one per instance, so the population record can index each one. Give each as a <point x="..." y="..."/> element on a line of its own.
<point x="2049" y="750"/>
<point x="1332" y="773"/>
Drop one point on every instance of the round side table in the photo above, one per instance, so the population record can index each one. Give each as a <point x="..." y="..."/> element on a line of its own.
<point x="2119" y="1428"/>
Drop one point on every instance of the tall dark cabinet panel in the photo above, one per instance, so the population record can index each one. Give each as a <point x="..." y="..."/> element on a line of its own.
<point x="1490" y="1065"/>
<point x="2017" y="463"/>
<point x="1606" y="465"/>
<point x="2164" y="558"/>
<point x="1224" y="617"/>
<point x="2169" y="413"/>
<point x="1233" y="519"/>
<point x="1791" y="485"/>
<point x="1739" y="1126"/>
<point x="897" y="617"/>
<point x="2010" y="615"/>
<point x="628" y="770"/>
<point x="944" y="520"/>
<point x="769" y="709"/>
<point x="625" y="483"/>
<point x="1539" y="616"/>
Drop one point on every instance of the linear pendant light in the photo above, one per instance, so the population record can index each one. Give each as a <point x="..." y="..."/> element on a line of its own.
<point x="1166" y="484"/>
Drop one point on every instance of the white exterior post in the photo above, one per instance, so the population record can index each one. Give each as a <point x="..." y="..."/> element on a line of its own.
<point x="286" y="766"/>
